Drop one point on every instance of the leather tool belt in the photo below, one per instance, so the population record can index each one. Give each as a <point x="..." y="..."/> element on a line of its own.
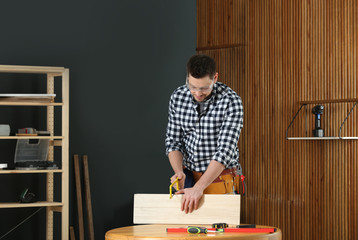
<point x="226" y="183"/>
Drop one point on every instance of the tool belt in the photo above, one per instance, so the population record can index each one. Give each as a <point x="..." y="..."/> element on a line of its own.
<point x="225" y="183"/>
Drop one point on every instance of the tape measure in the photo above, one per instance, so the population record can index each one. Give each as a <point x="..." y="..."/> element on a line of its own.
<point x="220" y="225"/>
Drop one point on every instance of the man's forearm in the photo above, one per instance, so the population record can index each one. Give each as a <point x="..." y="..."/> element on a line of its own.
<point x="176" y="161"/>
<point x="212" y="172"/>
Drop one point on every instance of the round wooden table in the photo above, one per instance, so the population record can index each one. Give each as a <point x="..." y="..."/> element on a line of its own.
<point x="159" y="232"/>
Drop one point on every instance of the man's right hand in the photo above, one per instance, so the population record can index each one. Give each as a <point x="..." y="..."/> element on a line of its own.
<point x="181" y="176"/>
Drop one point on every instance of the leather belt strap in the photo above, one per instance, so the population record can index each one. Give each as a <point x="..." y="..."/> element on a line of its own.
<point x="227" y="171"/>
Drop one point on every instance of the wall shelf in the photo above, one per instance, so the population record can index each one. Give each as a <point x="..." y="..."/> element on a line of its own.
<point x="339" y="137"/>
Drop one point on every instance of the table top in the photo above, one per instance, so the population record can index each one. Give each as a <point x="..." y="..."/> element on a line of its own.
<point x="159" y="232"/>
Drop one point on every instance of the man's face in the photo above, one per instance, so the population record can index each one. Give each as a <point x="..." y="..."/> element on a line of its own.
<point x="201" y="88"/>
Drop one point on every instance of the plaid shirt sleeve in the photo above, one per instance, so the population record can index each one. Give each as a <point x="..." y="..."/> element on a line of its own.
<point x="229" y="133"/>
<point x="173" y="140"/>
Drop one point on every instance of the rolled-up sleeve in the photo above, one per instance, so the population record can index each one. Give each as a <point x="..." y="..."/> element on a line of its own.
<point x="229" y="133"/>
<point x="173" y="140"/>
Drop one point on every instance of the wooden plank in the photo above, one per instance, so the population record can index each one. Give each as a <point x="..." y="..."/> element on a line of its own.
<point x="56" y="143"/>
<point x="50" y="157"/>
<point x="26" y="205"/>
<point x="88" y="197"/>
<point x="31" y="137"/>
<point x="30" y="171"/>
<point x="160" y="209"/>
<point x="31" y="69"/>
<point x="55" y="209"/>
<point x="72" y="233"/>
<point x="79" y="197"/>
<point x="33" y="103"/>
<point x="65" y="154"/>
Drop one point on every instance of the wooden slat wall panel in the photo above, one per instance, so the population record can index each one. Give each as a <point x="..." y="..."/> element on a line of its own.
<point x="219" y="23"/>
<point x="276" y="53"/>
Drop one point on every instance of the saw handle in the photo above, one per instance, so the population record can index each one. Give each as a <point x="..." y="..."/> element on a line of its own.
<point x="171" y="187"/>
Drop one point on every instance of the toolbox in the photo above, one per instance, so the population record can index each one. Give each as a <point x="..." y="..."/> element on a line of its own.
<point x="31" y="154"/>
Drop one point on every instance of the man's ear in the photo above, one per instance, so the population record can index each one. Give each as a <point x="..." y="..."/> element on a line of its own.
<point x="216" y="77"/>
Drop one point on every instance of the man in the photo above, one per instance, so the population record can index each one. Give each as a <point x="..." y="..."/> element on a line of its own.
<point x="204" y="125"/>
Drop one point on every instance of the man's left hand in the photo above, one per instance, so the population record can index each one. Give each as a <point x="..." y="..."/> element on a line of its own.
<point x="190" y="200"/>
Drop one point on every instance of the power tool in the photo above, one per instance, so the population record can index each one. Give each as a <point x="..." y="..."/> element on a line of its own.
<point x="318" y="111"/>
<point x="27" y="197"/>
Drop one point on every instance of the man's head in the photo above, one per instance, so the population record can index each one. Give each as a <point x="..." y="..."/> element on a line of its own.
<point x="201" y="76"/>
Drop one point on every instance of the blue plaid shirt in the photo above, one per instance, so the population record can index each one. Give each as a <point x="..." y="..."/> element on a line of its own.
<point x="212" y="135"/>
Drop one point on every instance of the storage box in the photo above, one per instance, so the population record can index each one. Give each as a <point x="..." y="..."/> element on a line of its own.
<point x="31" y="150"/>
<point x="4" y="129"/>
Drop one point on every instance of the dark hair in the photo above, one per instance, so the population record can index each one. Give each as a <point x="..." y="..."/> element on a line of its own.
<point x="200" y="66"/>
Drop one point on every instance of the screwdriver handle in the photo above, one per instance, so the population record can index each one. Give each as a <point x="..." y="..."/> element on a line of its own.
<point x="197" y="230"/>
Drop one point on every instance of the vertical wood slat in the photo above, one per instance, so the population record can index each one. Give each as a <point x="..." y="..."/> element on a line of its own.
<point x="285" y="52"/>
<point x="50" y="157"/>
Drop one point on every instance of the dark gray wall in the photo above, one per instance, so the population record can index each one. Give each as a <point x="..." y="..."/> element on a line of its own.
<point x="125" y="59"/>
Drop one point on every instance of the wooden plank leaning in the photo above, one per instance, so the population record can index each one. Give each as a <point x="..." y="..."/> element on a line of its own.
<point x="88" y="197"/>
<point x="79" y="197"/>
<point x="72" y="233"/>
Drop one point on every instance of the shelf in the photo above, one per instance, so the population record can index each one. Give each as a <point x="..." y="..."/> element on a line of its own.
<point x="26" y="205"/>
<point x="321" y="138"/>
<point x="329" y="101"/>
<point x="57" y="94"/>
<point x="28" y="99"/>
<point x="31" y="137"/>
<point x="313" y="138"/>
<point x="30" y="103"/>
<point x="30" y="171"/>
<point x="31" y="69"/>
<point x="339" y="137"/>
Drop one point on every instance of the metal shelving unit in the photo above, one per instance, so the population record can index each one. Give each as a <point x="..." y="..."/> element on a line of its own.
<point x="339" y="137"/>
<point x="61" y="141"/>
